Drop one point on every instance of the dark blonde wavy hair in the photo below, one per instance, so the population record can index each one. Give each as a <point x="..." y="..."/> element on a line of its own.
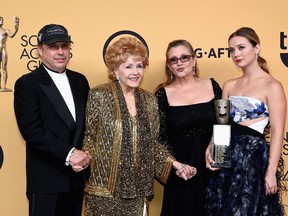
<point x="253" y="38"/>
<point x="172" y="44"/>
<point x="118" y="53"/>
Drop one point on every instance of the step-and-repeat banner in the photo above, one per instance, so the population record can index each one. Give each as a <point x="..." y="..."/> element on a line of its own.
<point x="206" y="24"/>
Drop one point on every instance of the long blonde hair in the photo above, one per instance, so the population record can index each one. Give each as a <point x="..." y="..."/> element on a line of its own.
<point x="253" y="38"/>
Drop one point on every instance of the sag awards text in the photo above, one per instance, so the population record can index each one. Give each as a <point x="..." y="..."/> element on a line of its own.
<point x="29" y="52"/>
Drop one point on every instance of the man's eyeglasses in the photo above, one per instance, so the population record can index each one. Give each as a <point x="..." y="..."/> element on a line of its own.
<point x="183" y="58"/>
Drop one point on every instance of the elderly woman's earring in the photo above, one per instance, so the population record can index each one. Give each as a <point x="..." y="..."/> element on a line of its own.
<point x="171" y="76"/>
<point x="117" y="78"/>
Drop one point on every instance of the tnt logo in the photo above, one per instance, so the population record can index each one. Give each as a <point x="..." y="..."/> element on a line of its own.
<point x="284" y="56"/>
<point x="1" y="157"/>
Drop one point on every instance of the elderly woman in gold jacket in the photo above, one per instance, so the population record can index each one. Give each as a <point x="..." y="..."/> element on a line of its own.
<point x="122" y="126"/>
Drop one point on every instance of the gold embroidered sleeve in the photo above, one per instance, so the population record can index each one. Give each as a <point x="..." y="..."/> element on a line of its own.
<point x="163" y="160"/>
<point x="92" y="115"/>
<point x="101" y="139"/>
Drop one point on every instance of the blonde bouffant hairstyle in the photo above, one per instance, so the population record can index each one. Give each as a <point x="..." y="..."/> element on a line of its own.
<point x="118" y="53"/>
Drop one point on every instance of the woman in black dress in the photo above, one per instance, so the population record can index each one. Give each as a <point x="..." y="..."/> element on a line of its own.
<point x="186" y="107"/>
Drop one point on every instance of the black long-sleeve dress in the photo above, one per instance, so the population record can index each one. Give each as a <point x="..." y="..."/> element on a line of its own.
<point x="186" y="131"/>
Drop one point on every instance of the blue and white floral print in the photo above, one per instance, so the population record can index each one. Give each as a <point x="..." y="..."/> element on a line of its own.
<point x="247" y="108"/>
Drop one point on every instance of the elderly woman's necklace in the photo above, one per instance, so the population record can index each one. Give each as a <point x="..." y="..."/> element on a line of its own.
<point x="131" y="105"/>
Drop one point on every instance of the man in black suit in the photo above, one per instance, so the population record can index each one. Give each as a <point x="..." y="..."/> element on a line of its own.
<point x="49" y="105"/>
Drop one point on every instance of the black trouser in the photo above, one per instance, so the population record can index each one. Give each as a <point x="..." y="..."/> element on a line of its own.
<point x="61" y="204"/>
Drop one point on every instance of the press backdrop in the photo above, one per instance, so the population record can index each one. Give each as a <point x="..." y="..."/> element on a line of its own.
<point x="206" y="24"/>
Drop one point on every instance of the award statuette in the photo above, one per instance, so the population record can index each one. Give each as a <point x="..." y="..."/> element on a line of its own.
<point x="221" y="135"/>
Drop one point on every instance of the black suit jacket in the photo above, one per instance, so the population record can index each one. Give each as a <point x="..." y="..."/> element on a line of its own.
<point x="49" y="130"/>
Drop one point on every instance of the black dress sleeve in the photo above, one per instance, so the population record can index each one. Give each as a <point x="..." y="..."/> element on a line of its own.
<point x="217" y="89"/>
<point x="217" y="93"/>
<point x="163" y="108"/>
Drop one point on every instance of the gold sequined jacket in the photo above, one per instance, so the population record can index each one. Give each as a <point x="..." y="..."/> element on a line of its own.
<point x="103" y="138"/>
